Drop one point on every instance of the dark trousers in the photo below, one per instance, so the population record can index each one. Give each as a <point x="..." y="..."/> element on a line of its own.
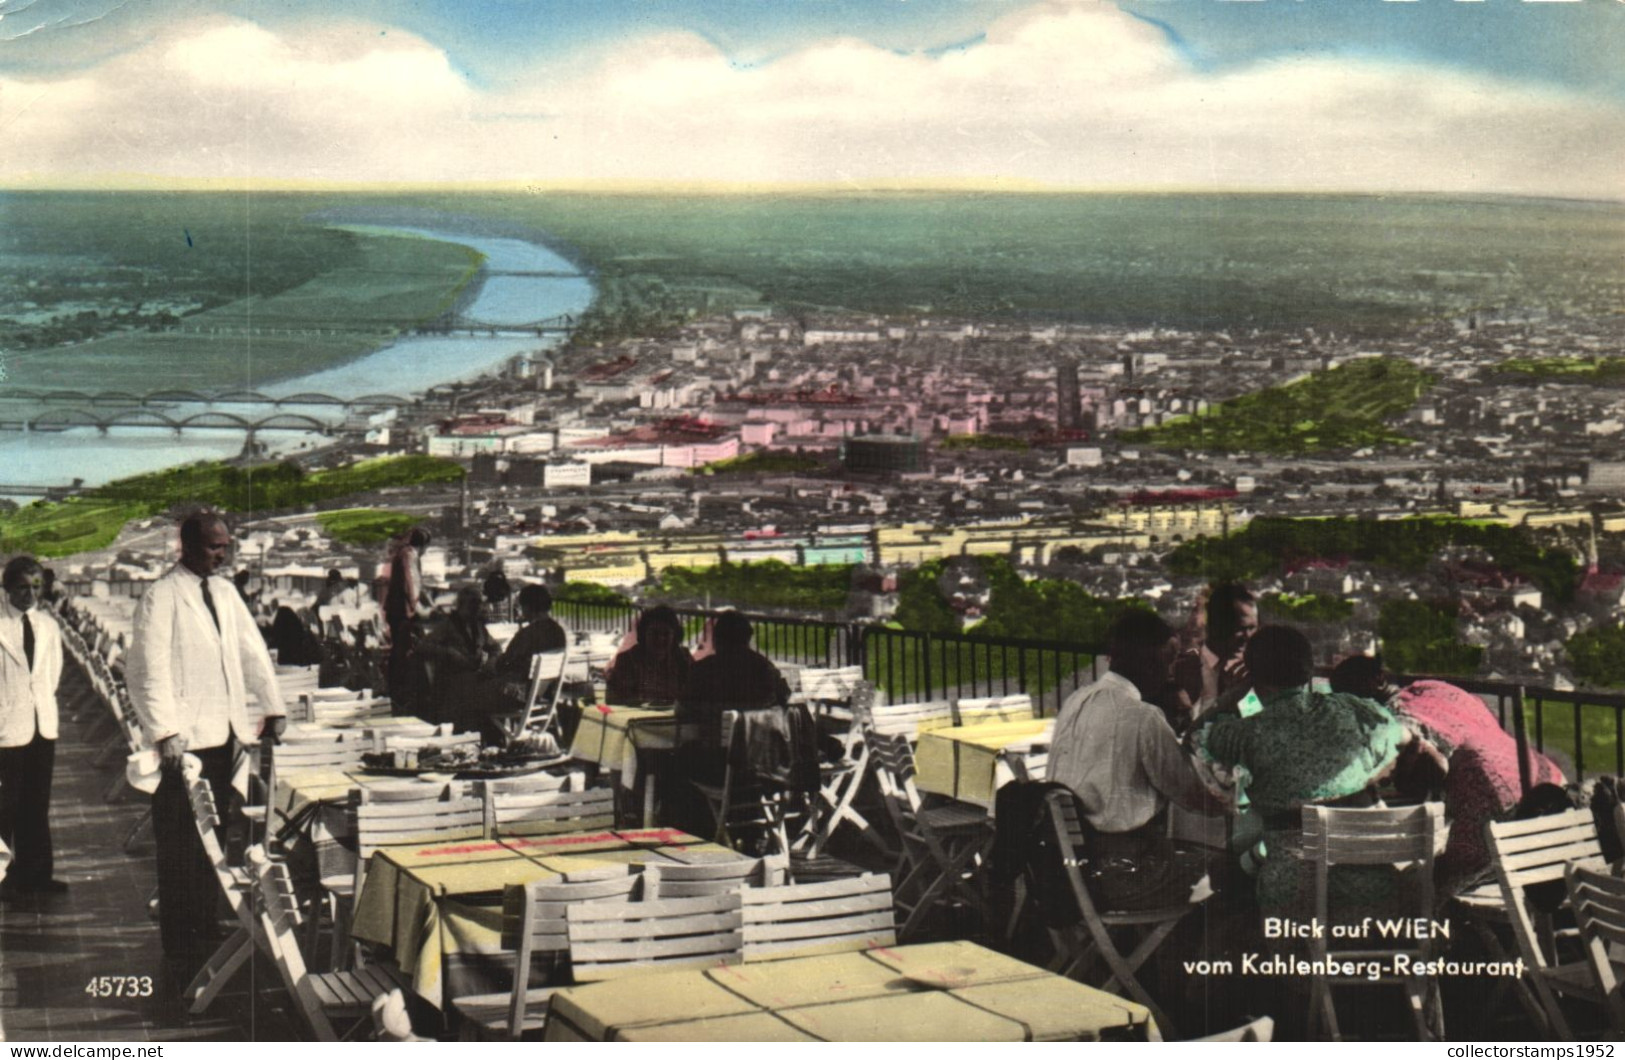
<point x="25" y="805"/>
<point x="400" y="650"/>
<point x="188" y="890"/>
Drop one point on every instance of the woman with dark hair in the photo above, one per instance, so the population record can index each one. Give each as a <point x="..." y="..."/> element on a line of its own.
<point x="1297" y="748"/>
<point x="655" y="669"/>
<point x="1483" y="782"/>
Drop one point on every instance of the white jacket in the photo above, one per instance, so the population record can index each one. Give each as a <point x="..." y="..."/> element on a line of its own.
<point x="28" y="700"/>
<point x="181" y="671"/>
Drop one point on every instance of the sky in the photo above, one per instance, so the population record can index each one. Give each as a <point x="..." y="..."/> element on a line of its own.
<point x="1461" y="96"/>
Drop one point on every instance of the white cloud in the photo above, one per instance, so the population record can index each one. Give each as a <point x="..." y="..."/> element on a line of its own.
<point x="1071" y="93"/>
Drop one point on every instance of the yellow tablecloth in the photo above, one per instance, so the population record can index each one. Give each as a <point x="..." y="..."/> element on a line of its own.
<point x="611" y="737"/>
<point x="945" y="991"/>
<point x="438" y="906"/>
<point x="963" y="762"/>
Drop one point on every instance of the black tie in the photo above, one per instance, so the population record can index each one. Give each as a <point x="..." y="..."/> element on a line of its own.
<point x="28" y="641"/>
<point x="208" y="601"/>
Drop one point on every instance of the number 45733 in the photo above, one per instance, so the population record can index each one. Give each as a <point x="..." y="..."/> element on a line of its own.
<point x="120" y="986"/>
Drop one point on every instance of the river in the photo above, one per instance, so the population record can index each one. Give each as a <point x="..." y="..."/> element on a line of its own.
<point x="407" y="366"/>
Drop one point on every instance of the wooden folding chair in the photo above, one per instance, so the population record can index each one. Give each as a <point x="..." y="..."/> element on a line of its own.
<point x="237" y="886"/>
<point x="393" y="823"/>
<point x="1333" y="837"/>
<point x="840" y="778"/>
<point x="320" y="997"/>
<point x="740" y="806"/>
<point x="990" y="709"/>
<point x="536" y="929"/>
<point x="1078" y="946"/>
<point x="610" y="941"/>
<point x="829" y="685"/>
<point x="532" y="813"/>
<point x="700" y="879"/>
<point x="1540" y="850"/>
<point x="1598" y="899"/>
<point x="546" y="670"/>
<point x="940" y="844"/>
<point x="910" y="719"/>
<point x="833" y="916"/>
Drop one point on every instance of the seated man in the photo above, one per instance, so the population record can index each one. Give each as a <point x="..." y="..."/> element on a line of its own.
<point x="461" y="657"/>
<point x="778" y="747"/>
<point x="1121" y="758"/>
<point x="540" y="633"/>
<point x="735" y="677"/>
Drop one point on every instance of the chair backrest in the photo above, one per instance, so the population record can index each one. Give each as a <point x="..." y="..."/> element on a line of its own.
<point x="523" y="813"/>
<point x="1333" y="837"/>
<point x="572" y="780"/>
<point x="892" y="759"/>
<point x="1031" y="765"/>
<point x="1538" y="850"/>
<point x="546" y="672"/>
<point x="279" y="919"/>
<point x="381" y="824"/>
<point x="836" y="683"/>
<point x="302" y="735"/>
<point x="993" y="708"/>
<point x="206" y="817"/>
<point x="832" y="916"/>
<point x="1598" y="898"/>
<point x="335" y="754"/>
<point x="536" y="928"/>
<point x="609" y="941"/>
<point x="670" y="879"/>
<point x="413" y="791"/>
<point x="349" y="710"/>
<point x="911" y="719"/>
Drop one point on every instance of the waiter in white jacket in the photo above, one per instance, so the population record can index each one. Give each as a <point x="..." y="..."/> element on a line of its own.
<point x="30" y="670"/>
<point x="195" y="657"/>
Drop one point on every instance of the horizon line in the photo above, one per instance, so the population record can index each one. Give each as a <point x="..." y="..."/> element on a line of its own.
<point x="628" y="186"/>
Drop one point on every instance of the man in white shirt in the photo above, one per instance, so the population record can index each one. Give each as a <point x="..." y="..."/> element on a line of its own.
<point x="30" y="670"/>
<point x="195" y="658"/>
<point x="1118" y="753"/>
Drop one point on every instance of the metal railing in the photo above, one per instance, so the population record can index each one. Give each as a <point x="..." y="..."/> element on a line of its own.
<point x="1584" y="731"/>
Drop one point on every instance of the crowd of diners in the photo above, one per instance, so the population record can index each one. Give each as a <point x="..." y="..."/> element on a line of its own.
<point x="1226" y="717"/>
<point x="1238" y="723"/>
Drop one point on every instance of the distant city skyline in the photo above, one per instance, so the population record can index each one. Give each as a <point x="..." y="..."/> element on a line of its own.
<point x="1492" y="96"/>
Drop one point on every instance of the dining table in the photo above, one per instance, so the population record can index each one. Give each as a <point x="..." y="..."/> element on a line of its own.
<point x="938" y="991"/>
<point x="437" y="907"/>
<point x="627" y="741"/>
<point x="972" y="762"/>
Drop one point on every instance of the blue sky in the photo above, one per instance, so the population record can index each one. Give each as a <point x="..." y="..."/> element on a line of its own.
<point x="1127" y="80"/>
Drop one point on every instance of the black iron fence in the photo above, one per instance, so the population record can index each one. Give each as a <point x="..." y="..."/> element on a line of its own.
<point x="1583" y="731"/>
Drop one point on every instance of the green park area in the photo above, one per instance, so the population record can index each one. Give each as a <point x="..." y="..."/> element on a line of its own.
<point x="1272" y="544"/>
<point x="763" y="461"/>
<point x="92" y="520"/>
<point x="1599" y="370"/>
<point x="1347" y="407"/>
<point x="364" y="526"/>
